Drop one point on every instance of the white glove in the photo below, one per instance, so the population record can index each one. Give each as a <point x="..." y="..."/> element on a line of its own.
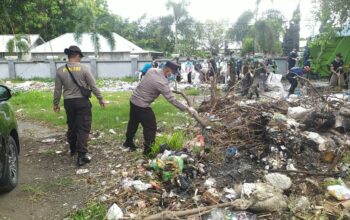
<point x="192" y="111"/>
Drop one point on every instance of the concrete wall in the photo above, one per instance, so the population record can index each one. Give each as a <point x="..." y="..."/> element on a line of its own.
<point x="282" y="65"/>
<point x="27" y="70"/>
<point x="122" y="56"/>
<point x="99" y="68"/>
<point x="47" y="69"/>
<point x="112" y="69"/>
<point x="4" y="70"/>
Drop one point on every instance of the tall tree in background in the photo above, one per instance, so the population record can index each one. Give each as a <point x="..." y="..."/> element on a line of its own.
<point x="214" y="36"/>
<point x="334" y="18"/>
<point x="181" y="19"/>
<point x="94" y="19"/>
<point x="242" y="28"/>
<point x="157" y="35"/>
<point x="45" y="17"/>
<point x="269" y="30"/>
<point x="292" y="36"/>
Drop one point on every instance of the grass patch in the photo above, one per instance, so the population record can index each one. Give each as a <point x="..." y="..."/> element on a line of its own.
<point x="193" y="92"/>
<point x="174" y="142"/>
<point x="346" y="158"/>
<point x="331" y="182"/>
<point x="36" y="192"/>
<point x="128" y="79"/>
<point x="93" y="211"/>
<point x="60" y="182"/>
<point x="37" y="105"/>
<point x="21" y="80"/>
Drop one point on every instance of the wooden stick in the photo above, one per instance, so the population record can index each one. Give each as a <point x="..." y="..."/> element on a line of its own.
<point x="184" y="96"/>
<point x="336" y="160"/>
<point x="238" y="204"/>
<point x="313" y="88"/>
<point x="195" y="116"/>
<point x="304" y="172"/>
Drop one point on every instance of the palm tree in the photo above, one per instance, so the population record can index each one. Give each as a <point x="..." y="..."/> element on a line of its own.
<point x="96" y="21"/>
<point x="18" y="44"/>
<point x="180" y="17"/>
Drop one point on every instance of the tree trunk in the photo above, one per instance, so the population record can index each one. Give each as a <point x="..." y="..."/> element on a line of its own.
<point x="95" y="43"/>
<point x="176" y="40"/>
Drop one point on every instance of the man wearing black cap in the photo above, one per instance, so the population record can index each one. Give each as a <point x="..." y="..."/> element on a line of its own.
<point x="337" y="77"/>
<point x="151" y="86"/>
<point x="76" y="104"/>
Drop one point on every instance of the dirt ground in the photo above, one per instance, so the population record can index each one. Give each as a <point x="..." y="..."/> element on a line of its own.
<point x="49" y="187"/>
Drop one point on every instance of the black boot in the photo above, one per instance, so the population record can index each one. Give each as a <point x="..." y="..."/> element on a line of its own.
<point x="130" y="145"/>
<point x="147" y="150"/>
<point x="72" y="150"/>
<point x="83" y="159"/>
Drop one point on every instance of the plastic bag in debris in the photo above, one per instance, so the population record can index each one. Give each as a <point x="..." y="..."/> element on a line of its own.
<point x="114" y="212"/>
<point x="318" y="139"/>
<point x="210" y="182"/>
<point x="137" y="184"/>
<point x="274" y="83"/>
<point x="297" y="112"/>
<point x="219" y="214"/>
<point x="267" y="197"/>
<point x="168" y="167"/>
<point x="339" y="192"/>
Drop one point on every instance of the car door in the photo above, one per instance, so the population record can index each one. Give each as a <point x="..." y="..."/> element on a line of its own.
<point x="2" y="138"/>
<point x="4" y="127"/>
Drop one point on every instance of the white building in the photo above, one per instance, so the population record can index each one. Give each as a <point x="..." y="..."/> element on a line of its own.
<point x="122" y="50"/>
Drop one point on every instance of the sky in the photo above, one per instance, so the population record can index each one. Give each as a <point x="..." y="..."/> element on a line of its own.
<point x="227" y="10"/>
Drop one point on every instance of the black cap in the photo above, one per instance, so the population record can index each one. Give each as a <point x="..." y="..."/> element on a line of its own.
<point x="73" y="49"/>
<point x="173" y="66"/>
<point x="339" y="55"/>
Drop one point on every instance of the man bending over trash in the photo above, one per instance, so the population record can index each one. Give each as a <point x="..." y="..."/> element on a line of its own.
<point x="153" y="84"/>
<point x="291" y="77"/>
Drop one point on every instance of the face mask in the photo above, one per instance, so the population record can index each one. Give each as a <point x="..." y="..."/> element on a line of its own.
<point x="171" y="77"/>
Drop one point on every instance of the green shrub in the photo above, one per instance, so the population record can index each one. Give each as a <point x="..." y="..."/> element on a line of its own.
<point x="93" y="211"/>
<point x="175" y="142"/>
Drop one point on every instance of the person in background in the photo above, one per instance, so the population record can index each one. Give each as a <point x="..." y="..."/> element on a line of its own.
<point x="292" y="58"/>
<point x="155" y="64"/>
<point x="178" y="74"/>
<point x="154" y="83"/>
<point x="188" y="70"/>
<point x="197" y="65"/>
<point x="77" y="106"/>
<point x="292" y="75"/>
<point x="274" y="66"/>
<point x="258" y="75"/>
<point x="337" y="73"/>
<point x="232" y="71"/>
<point x="246" y="77"/>
<point x="145" y="68"/>
<point x="239" y="68"/>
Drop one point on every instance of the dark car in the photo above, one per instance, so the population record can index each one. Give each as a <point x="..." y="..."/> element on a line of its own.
<point x="9" y="143"/>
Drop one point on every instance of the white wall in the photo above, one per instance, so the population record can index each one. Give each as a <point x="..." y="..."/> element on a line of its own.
<point x="4" y="70"/>
<point x="27" y="70"/>
<point x="113" y="69"/>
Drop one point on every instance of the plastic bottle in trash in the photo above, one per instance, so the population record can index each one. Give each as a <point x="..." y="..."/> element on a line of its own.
<point x="230" y="153"/>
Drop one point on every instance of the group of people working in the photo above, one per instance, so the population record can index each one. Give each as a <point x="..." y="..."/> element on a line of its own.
<point x="76" y="80"/>
<point x="77" y="83"/>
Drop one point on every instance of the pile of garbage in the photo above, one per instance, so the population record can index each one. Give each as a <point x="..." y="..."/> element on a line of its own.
<point x="267" y="159"/>
<point x="30" y="86"/>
